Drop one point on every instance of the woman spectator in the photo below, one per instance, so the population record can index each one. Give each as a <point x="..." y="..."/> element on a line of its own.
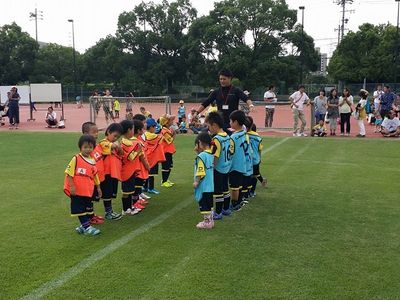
<point x="13" y="107"/>
<point x="270" y="97"/>
<point x="333" y="111"/>
<point x="320" y="106"/>
<point x="51" y="118"/>
<point x="345" y="109"/>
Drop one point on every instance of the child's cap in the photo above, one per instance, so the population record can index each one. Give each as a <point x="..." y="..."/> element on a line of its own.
<point x="151" y="122"/>
<point x="181" y="101"/>
<point x="165" y="118"/>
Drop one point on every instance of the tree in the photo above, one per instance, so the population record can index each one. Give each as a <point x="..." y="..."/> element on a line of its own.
<point x="367" y="53"/>
<point x="17" y="54"/>
<point x="53" y="63"/>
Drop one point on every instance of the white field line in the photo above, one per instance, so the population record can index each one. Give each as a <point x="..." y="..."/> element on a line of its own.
<point x="59" y="281"/>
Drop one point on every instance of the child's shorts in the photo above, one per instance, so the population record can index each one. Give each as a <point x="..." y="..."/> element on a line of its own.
<point x="206" y="202"/>
<point x="235" y="180"/>
<point x="81" y="206"/>
<point x="128" y="186"/>
<point x="109" y="187"/>
<point x="154" y="170"/>
<point x="168" y="164"/>
<point x="221" y="185"/>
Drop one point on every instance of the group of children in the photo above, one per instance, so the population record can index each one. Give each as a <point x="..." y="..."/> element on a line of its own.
<point x="227" y="167"/>
<point x="95" y="172"/>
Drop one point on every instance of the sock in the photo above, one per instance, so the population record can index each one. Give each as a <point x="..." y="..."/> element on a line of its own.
<point x="107" y="206"/>
<point x="146" y="184"/>
<point x="85" y="221"/>
<point x="135" y="198"/>
<point x="165" y="175"/>
<point x="151" y="182"/>
<point x="126" y="202"/>
<point x="227" y="201"/>
<point x="219" y="203"/>
<point x="254" y="184"/>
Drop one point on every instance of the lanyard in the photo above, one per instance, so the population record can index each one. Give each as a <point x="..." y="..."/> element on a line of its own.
<point x="225" y="98"/>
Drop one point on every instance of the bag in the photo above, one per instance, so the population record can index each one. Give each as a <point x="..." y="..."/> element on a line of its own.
<point x="326" y="118"/>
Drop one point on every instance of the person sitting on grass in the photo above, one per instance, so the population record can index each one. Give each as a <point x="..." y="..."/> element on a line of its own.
<point x="144" y="112"/>
<point x="183" y="125"/>
<point x="51" y="118"/>
<point x="319" y="129"/>
<point x="391" y="126"/>
<point x="196" y="126"/>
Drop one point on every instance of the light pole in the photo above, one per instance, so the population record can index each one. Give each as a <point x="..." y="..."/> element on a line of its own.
<point x="73" y="55"/>
<point x="302" y="43"/>
<point x="397" y="47"/>
<point x="37" y="15"/>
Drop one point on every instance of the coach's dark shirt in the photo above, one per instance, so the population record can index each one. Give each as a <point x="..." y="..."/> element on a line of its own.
<point x="227" y="99"/>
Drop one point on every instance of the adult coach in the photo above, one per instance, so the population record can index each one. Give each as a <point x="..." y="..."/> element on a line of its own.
<point x="227" y="97"/>
<point x="297" y="100"/>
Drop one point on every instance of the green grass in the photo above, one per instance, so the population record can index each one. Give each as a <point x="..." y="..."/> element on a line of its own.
<point x="326" y="228"/>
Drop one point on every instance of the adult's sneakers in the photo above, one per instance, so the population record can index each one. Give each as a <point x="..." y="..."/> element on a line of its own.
<point x="113" y="216"/>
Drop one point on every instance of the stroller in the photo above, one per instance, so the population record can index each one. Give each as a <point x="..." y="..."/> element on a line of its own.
<point x="3" y="113"/>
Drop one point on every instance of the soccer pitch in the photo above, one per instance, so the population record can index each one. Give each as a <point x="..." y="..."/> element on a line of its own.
<point x="327" y="227"/>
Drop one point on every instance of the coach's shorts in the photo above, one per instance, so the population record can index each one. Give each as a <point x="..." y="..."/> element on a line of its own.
<point x="128" y="186"/>
<point x="256" y="170"/>
<point x="81" y="206"/>
<point x="168" y="163"/>
<point x="221" y="185"/>
<point x="109" y="187"/>
<point x="235" y="180"/>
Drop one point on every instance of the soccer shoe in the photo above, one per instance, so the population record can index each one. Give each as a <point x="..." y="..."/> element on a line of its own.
<point x="217" y="216"/>
<point x="154" y="191"/>
<point x="303" y="134"/>
<point x="138" y="205"/>
<point x="170" y="182"/>
<point x="144" y="196"/>
<point x="227" y="212"/>
<point x="99" y="217"/>
<point x="128" y="212"/>
<point x="80" y="229"/>
<point x="135" y="211"/>
<point x="205" y="225"/>
<point x="166" y="184"/>
<point x="142" y="202"/>
<point x="96" y="220"/>
<point x="91" y="231"/>
<point x="113" y="216"/>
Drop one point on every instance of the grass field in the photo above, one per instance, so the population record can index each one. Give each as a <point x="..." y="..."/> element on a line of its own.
<point x="326" y="228"/>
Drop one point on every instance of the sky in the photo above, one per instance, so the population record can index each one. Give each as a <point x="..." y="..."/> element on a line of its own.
<point x="95" y="19"/>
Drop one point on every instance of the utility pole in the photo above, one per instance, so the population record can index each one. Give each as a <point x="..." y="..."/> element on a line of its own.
<point x="302" y="44"/>
<point x="344" y="20"/>
<point x="73" y="55"/>
<point x="37" y="15"/>
<point x="397" y="47"/>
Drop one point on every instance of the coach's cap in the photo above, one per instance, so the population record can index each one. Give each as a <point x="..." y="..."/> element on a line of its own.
<point x="151" y="122"/>
<point x="181" y="101"/>
<point x="165" y="118"/>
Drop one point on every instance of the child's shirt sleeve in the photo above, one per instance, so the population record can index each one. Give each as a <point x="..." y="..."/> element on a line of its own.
<point x="106" y="147"/>
<point x="216" y="148"/>
<point x="96" y="179"/>
<point x="70" y="170"/>
<point x="200" y="169"/>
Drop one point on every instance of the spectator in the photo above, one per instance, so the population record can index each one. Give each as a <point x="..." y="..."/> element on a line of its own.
<point x="391" y="125"/>
<point x="270" y="97"/>
<point x="191" y="115"/>
<point x="13" y="107"/>
<point x="51" y="118"/>
<point x="78" y="101"/>
<point x="319" y="129"/>
<point x="377" y="97"/>
<point x="196" y="125"/>
<point x="320" y="103"/>
<point x="297" y="100"/>
<point x="345" y="110"/>
<point x="183" y="125"/>
<point x="181" y="111"/>
<point x="361" y="113"/>
<point x="387" y="99"/>
<point x="333" y="111"/>
<point x="144" y="112"/>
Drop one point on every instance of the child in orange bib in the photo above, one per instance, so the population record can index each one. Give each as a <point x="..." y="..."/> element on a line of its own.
<point x="169" y="148"/>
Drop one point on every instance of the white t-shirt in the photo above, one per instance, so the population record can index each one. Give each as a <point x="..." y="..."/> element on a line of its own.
<point x="391" y="125"/>
<point x="190" y="117"/>
<point x="299" y="99"/>
<point x="377" y="96"/>
<point x="269" y="94"/>
<point x="51" y="116"/>
<point x="345" y="108"/>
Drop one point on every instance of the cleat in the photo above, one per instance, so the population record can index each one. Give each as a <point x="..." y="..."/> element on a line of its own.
<point x="98" y="217"/>
<point x="96" y="220"/>
<point x="135" y="211"/>
<point x="113" y="216"/>
<point x="205" y="225"/>
<point x="91" y="231"/>
<point x="80" y="229"/>
<point x="166" y="184"/>
<point x="128" y="212"/>
<point x="227" y="212"/>
<point x="170" y="182"/>
<point x="138" y="206"/>
<point x="217" y="216"/>
<point x="144" y="196"/>
<point x="142" y="202"/>
<point x="154" y="191"/>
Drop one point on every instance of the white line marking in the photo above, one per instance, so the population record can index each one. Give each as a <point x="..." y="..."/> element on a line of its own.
<point x="275" y="145"/>
<point x="51" y="285"/>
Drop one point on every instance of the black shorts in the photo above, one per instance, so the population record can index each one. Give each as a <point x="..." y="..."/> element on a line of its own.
<point x="168" y="163"/>
<point x="154" y="170"/>
<point x="256" y="170"/>
<point x="221" y="185"/>
<point x="128" y="186"/>
<point x="206" y="202"/>
<point x="109" y="187"/>
<point x="235" y="180"/>
<point x="81" y="206"/>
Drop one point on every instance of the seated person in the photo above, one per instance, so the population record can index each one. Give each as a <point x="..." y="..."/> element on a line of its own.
<point x="183" y="125"/>
<point x="391" y="125"/>
<point x="196" y="126"/>
<point x="319" y="129"/>
<point x="51" y="117"/>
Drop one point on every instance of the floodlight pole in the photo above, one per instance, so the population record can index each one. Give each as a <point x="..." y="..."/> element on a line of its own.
<point x="74" y="56"/>
<point x="302" y="43"/>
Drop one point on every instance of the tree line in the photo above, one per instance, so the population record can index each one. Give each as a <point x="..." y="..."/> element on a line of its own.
<point x="159" y="46"/>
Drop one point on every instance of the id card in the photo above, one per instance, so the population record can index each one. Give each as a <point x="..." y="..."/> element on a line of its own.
<point x="225" y="107"/>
